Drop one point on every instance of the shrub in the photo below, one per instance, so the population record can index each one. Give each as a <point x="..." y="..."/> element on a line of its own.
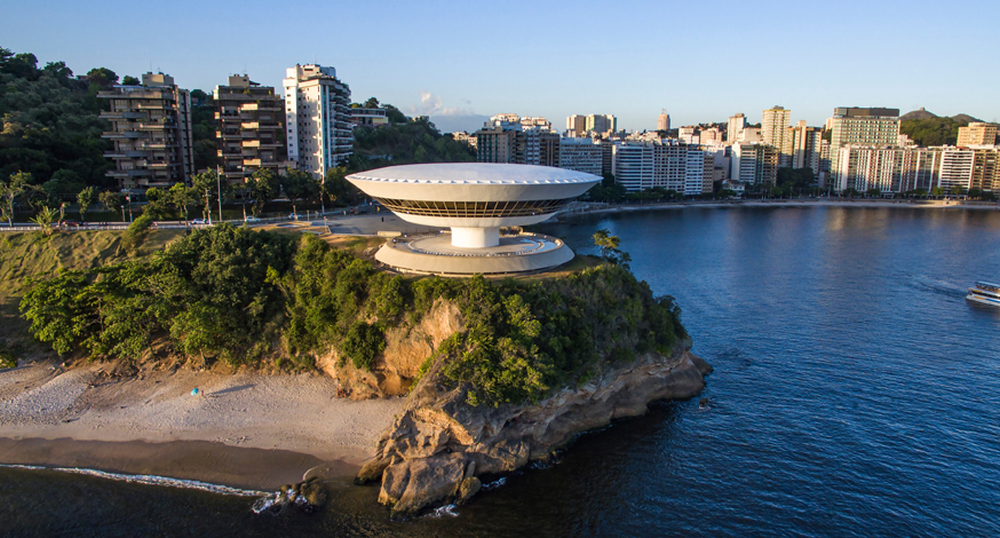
<point x="363" y="343"/>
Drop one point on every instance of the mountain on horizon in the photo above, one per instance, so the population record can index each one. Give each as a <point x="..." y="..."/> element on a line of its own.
<point x="923" y="114"/>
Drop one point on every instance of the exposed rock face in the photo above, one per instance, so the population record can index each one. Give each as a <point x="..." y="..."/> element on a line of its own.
<point x="440" y="444"/>
<point x="406" y="348"/>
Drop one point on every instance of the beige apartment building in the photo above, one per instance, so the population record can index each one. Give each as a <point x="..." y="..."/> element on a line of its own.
<point x="151" y="133"/>
<point x="977" y="134"/>
<point x="774" y="131"/>
<point x="250" y="120"/>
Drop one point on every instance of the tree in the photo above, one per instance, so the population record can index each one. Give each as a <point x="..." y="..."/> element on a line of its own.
<point x="83" y="201"/>
<point x="206" y="186"/>
<point x="975" y="193"/>
<point x="180" y="197"/>
<point x="261" y="186"/>
<point x="299" y="185"/>
<point x="102" y="76"/>
<point x="609" y="248"/>
<point x="157" y="203"/>
<point x="937" y="191"/>
<point x="44" y="218"/>
<point x="956" y="190"/>
<point x="371" y="103"/>
<point x="129" y="80"/>
<point x="113" y="201"/>
<point x="18" y="183"/>
<point x="874" y="192"/>
<point x="336" y="187"/>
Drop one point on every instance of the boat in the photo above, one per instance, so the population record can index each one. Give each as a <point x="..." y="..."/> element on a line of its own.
<point x="985" y="293"/>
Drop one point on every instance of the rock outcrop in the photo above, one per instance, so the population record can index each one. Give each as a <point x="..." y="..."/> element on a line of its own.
<point x="407" y="346"/>
<point x="437" y="448"/>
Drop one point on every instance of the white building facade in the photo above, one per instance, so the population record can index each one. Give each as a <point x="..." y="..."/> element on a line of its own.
<point x="318" y="118"/>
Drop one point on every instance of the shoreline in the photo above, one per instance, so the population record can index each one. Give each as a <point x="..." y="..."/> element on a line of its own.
<point x="245" y="430"/>
<point x="804" y="202"/>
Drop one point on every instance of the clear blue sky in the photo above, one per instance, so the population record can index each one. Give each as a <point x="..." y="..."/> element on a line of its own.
<point x="702" y="61"/>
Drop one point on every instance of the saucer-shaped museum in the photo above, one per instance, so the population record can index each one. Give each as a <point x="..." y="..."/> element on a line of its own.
<point x="475" y="200"/>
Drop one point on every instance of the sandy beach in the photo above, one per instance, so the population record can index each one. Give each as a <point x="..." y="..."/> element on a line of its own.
<point x="244" y="430"/>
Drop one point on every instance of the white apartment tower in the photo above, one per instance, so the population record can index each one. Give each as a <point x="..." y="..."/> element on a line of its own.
<point x="318" y="118"/>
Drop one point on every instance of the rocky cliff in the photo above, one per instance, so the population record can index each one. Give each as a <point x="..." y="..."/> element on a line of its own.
<point x="437" y="449"/>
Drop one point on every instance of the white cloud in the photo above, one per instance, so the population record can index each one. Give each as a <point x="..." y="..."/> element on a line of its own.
<point x="433" y="105"/>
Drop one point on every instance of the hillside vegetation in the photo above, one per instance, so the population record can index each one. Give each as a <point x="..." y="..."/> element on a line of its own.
<point x="258" y="298"/>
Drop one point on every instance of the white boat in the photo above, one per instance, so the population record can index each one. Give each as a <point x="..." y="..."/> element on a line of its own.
<point x="985" y="293"/>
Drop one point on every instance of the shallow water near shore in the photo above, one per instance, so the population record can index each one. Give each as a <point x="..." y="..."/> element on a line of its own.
<point x="855" y="393"/>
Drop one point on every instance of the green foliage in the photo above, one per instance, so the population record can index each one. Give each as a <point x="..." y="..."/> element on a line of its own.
<point x="262" y="187"/>
<point x="609" y="248"/>
<point x="299" y="185"/>
<point x="7" y="357"/>
<point x="405" y="141"/>
<point x="608" y="191"/>
<point x="363" y="342"/>
<point x="234" y="294"/>
<point x="935" y="131"/>
<point x="50" y="121"/>
<point x="212" y="292"/>
<point x="84" y="199"/>
<point x="136" y="232"/>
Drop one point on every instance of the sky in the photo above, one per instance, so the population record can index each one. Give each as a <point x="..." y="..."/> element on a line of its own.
<point x="459" y="62"/>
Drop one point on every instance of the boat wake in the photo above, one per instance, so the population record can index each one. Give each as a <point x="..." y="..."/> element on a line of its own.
<point x="942" y="287"/>
<point x="147" y="479"/>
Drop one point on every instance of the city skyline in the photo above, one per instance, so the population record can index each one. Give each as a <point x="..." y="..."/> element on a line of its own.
<point x="444" y="59"/>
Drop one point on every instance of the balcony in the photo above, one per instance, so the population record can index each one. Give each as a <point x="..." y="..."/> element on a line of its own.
<point x="250" y="125"/>
<point x="155" y="126"/>
<point x="122" y="115"/>
<point x="249" y="106"/>
<point x="251" y="143"/>
<point x="225" y="136"/>
<point x="115" y="135"/>
<point x="251" y="162"/>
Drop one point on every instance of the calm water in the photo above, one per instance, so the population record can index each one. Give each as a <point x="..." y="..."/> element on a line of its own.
<point x="855" y="393"/>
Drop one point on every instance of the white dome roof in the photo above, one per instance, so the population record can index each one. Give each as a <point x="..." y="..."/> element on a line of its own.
<point x="475" y="174"/>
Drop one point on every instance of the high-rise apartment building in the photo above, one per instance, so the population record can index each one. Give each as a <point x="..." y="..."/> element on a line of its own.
<point x="250" y="122"/>
<point x="151" y="133"/>
<point x="601" y="123"/>
<point x="667" y="164"/>
<point x="735" y="128"/>
<point x="977" y="134"/>
<point x="774" y="131"/>
<point x="898" y="170"/>
<point x="859" y="126"/>
<point x="663" y="121"/>
<point x="581" y="154"/>
<point x="496" y="145"/>
<point x="986" y="169"/>
<point x="318" y="118"/>
<point x="806" y="145"/>
<point x="754" y="162"/>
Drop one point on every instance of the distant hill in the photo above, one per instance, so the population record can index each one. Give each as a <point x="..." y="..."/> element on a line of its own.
<point x="964" y="118"/>
<point x="924" y="114"/>
<point x="921" y="114"/>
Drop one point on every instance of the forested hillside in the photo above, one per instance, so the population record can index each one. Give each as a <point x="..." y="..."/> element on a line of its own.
<point x="49" y="124"/>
